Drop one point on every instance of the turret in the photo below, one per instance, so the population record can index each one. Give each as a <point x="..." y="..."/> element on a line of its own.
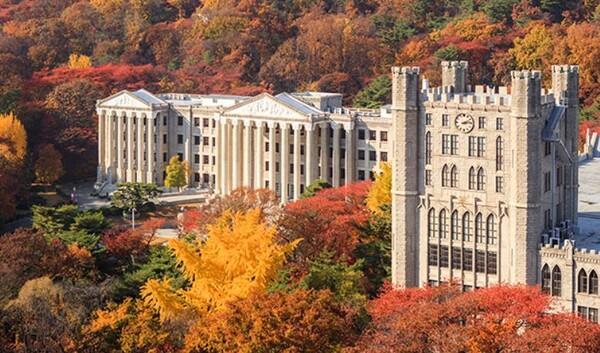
<point x="454" y="75"/>
<point x="526" y="93"/>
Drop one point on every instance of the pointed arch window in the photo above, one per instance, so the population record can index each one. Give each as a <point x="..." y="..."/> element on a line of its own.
<point x="472" y="179"/>
<point x="492" y="235"/>
<point x="556" y="281"/>
<point x="445" y="176"/>
<point x="455" y="226"/>
<point x="428" y="148"/>
<point x="431" y="223"/>
<point x="467" y="227"/>
<point x="593" y="286"/>
<point x="480" y="179"/>
<point x="582" y="282"/>
<point x="499" y="153"/>
<point x="479" y="230"/>
<point x="546" y="279"/>
<point x="443" y="224"/>
<point x="454" y="177"/>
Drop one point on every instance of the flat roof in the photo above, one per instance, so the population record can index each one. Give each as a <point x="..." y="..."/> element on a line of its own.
<point x="589" y="205"/>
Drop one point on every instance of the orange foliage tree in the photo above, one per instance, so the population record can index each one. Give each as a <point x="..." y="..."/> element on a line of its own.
<point x="48" y="167"/>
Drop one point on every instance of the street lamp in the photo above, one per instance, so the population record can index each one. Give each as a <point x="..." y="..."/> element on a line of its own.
<point x="133" y="217"/>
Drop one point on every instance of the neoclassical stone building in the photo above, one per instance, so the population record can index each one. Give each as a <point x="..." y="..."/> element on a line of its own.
<point x="485" y="184"/>
<point x="282" y="142"/>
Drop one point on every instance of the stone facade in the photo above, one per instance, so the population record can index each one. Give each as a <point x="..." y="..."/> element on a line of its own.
<point x="233" y="141"/>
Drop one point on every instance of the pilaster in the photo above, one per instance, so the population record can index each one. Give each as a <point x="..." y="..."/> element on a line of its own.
<point x="336" y="160"/>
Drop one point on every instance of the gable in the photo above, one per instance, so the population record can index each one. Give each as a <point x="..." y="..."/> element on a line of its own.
<point x="123" y="99"/>
<point x="265" y="105"/>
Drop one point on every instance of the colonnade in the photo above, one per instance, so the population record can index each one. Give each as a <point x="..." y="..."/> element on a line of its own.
<point x="126" y="148"/>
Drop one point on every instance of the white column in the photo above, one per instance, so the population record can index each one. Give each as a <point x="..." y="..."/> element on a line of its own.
<point x="297" y="160"/>
<point x="310" y="151"/>
<point x="159" y="150"/>
<point x="284" y="167"/>
<point x="101" y="146"/>
<point x="247" y="152"/>
<point x="150" y="149"/>
<point x="349" y="153"/>
<point x="224" y="160"/>
<point x="336" y="159"/>
<point x="120" y="170"/>
<point x="272" y="156"/>
<point x="140" y="149"/>
<point x="259" y="154"/>
<point x="236" y="157"/>
<point x="130" y="134"/>
<point x="110" y="138"/>
<point x="325" y="151"/>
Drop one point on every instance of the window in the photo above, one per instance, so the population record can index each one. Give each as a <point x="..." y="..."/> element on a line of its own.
<point x="361" y="134"/>
<point x="556" y="281"/>
<point x="454" y="226"/>
<point x="499" y="184"/>
<point x="205" y="160"/>
<point x="180" y="139"/>
<point x="467" y="259"/>
<point x="277" y="147"/>
<point x="547" y="179"/>
<point x="428" y="148"/>
<point x="559" y="176"/>
<point x="547" y="148"/>
<point x="164" y="138"/>
<point x="266" y="166"/>
<point x="467" y="228"/>
<point x="481" y="147"/>
<point x="445" y="176"/>
<point x="164" y="120"/>
<point x="582" y="282"/>
<point x="499" y="153"/>
<point x="196" y="121"/>
<point x="443" y="225"/>
<point x="479" y="228"/>
<point x="480" y="179"/>
<point x="197" y="140"/>
<point x="480" y="261"/>
<point x="277" y="167"/>
<point x="205" y="122"/>
<point x="361" y="155"/>
<point x="492" y="263"/>
<point x="582" y="312"/>
<point x="428" y="119"/>
<point x="197" y="158"/>
<point x="164" y="156"/>
<point x="472" y="146"/>
<point x="431" y="224"/>
<point x="180" y="120"/>
<point x="444" y="256"/>
<point x="445" y="144"/>
<point x="456" y="258"/>
<point x="482" y="122"/>
<point x="372" y="155"/>
<point x="384" y="156"/>
<point x="492" y="235"/>
<point x="454" y="144"/>
<point x="499" y="123"/>
<point x="214" y="125"/>
<point x="383" y="135"/>
<point x="432" y="256"/>
<point x="372" y="135"/>
<point x="454" y="177"/>
<point x="593" y="315"/>
<point x="445" y="120"/>
<point x="205" y="141"/>
<point x="197" y="177"/>
<point x="361" y="175"/>
<point x="593" y="287"/>
<point x="428" y="177"/>
<point x="472" y="179"/>
<point x="180" y="156"/>
<point x="546" y="279"/>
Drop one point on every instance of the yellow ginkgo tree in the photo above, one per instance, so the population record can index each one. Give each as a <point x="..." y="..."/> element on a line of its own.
<point x="240" y="255"/>
<point x="380" y="192"/>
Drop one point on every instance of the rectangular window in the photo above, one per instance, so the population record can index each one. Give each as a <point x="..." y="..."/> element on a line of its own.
<point x="196" y="158"/>
<point x="214" y="141"/>
<point x="593" y="315"/>
<point x="559" y="176"/>
<point x="205" y="160"/>
<point x="361" y="155"/>
<point x="214" y="160"/>
<point x="164" y="156"/>
<point x="547" y="148"/>
<point x="428" y="119"/>
<point x="480" y="261"/>
<point x="372" y="155"/>
<point x="164" y="120"/>
<point x="454" y="144"/>
<point x="205" y="141"/>
<point x="499" y="184"/>
<point x="482" y="122"/>
<point x="180" y="156"/>
<point x="433" y="255"/>
<point x="164" y="138"/>
<point x="277" y="167"/>
<point x="302" y="150"/>
<point x="301" y="169"/>
<point x="445" y="144"/>
<point x="361" y="134"/>
<point x="428" y="177"/>
<point x="372" y="135"/>
<point x="266" y="147"/>
<point x="456" y="258"/>
<point x="444" y="256"/>
<point x="180" y="139"/>
<point x="547" y="179"/>
<point x="214" y="123"/>
<point x="582" y="311"/>
<point x="472" y="146"/>
<point x="384" y="156"/>
<point x="481" y="147"/>
<point x="197" y="177"/>
<point x="267" y="166"/>
<point x="383" y="135"/>
<point x="361" y="175"/>
<point x="492" y="265"/>
<point x="277" y="147"/>
<point x="196" y="121"/>
<point x="343" y="153"/>
<point x="205" y="122"/>
<point x="197" y="140"/>
<point x="445" y="120"/>
<point x="180" y="120"/>
<point x="499" y="123"/>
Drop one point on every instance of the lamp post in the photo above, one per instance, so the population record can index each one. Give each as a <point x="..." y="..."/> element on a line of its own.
<point x="133" y="217"/>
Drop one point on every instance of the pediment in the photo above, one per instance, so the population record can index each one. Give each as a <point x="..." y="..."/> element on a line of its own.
<point x="123" y="99"/>
<point x="267" y="106"/>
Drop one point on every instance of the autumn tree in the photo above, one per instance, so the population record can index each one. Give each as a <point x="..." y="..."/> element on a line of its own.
<point x="239" y="256"/>
<point x="177" y="173"/>
<point x="13" y="138"/>
<point x="315" y="187"/>
<point x="380" y="193"/>
<point x="73" y="103"/>
<point x="77" y="61"/>
<point x="48" y="167"/>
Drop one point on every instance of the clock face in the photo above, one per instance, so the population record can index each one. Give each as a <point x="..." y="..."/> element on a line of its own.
<point x="464" y="122"/>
